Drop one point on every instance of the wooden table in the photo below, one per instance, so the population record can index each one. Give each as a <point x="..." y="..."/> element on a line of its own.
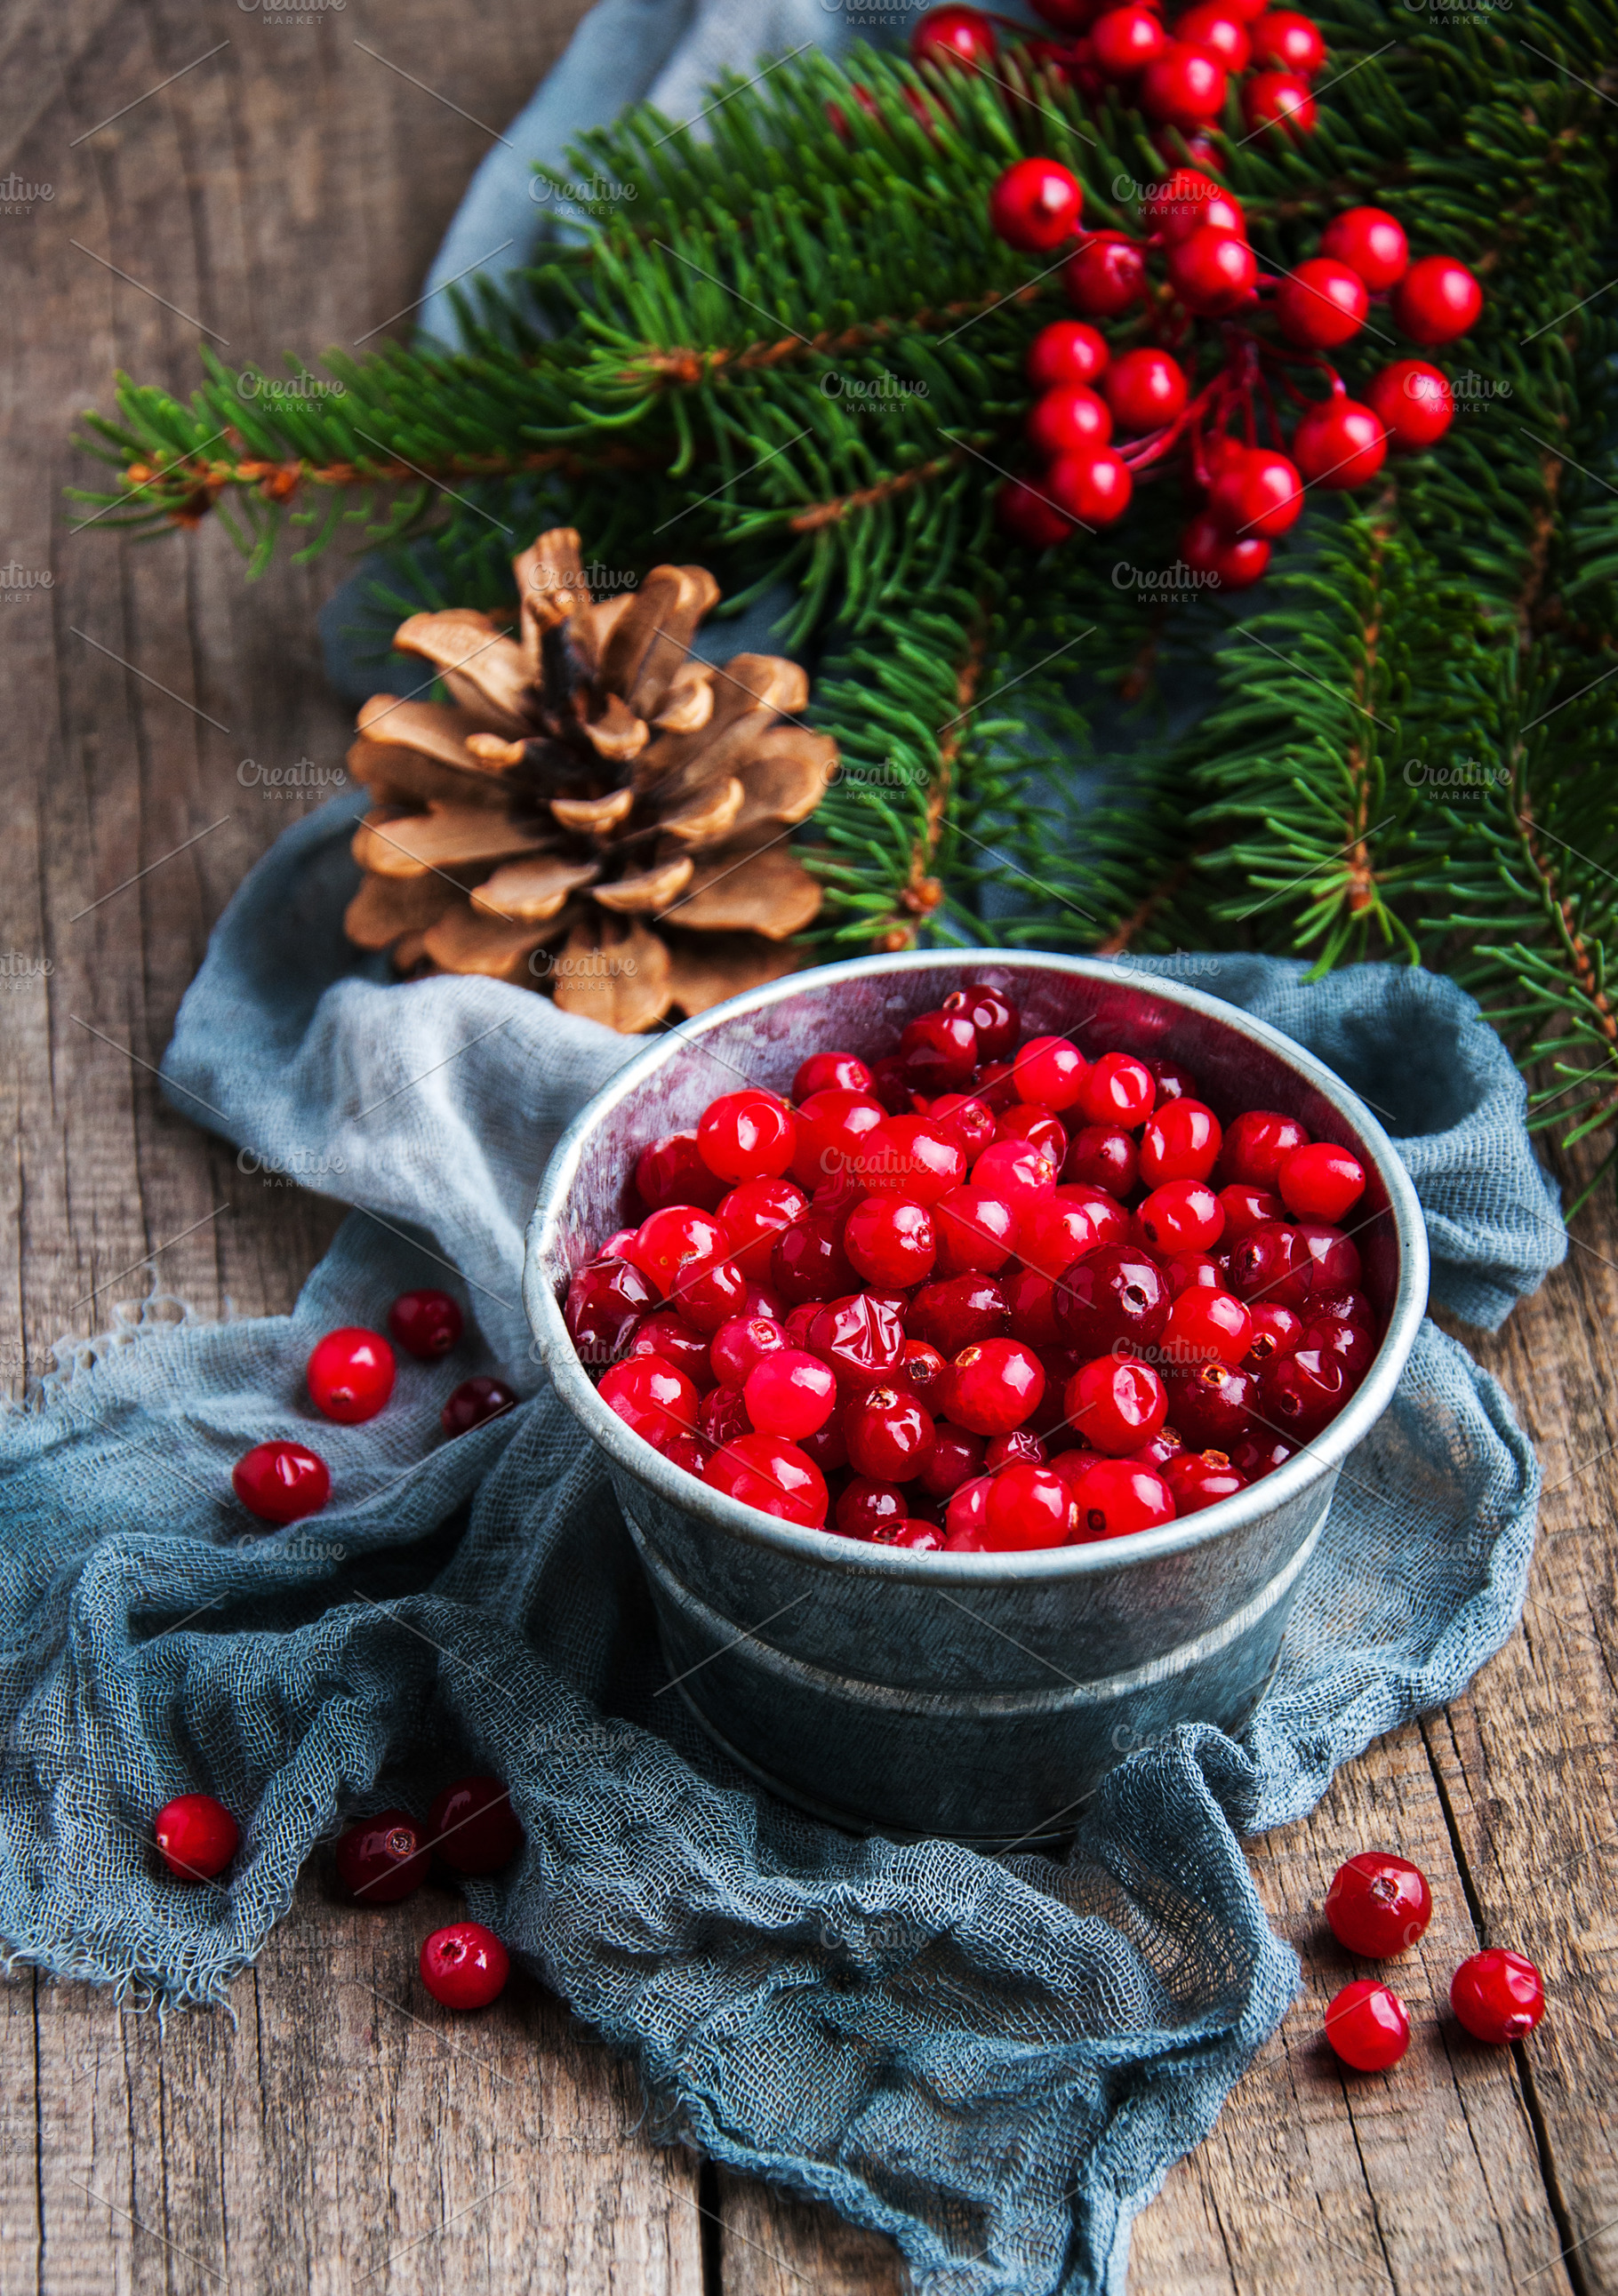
<point x="287" y="190"/>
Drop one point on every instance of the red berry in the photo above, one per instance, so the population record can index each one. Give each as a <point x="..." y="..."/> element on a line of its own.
<point x="754" y="1215"/>
<point x="775" y="1477"/>
<point x="1036" y="205"/>
<point x="721" y="1417"/>
<point x="1262" y="494"/>
<point x="1257" y="1144"/>
<point x="939" y="1051"/>
<point x="464" y="1966"/>
<point x="890" y="1241"/>
<point x="1106" y="277"/>
<point x="1031" y="1300"/>
<point x="1186" y="200"/>
<point x="1370" y="242"/>
<point x="1181" y="1216"/>
<point x="868" y="1506"/>
<point x="965" y="1516"/>
<point x="1378" y="1904"/>
<point x="1218" y="29"/>
<point x="921" y="1369"/>
<point x="955" y="1455"/>
<point x="1276" y="1330"/>
<point x="1181" y="1142"/>
<point x="1015" y="1173"/>
<point x="196" y="1837"/>
<point x="1116" y="1296"/>
<point x="671" y="1171"/>
<point x="952" y="1315"/>
<point x="1274" y="99"/>
<point x="648" y="1395"/>
<point x="1368" y="2026"/>
<point x="1125" y="40"/>
<point x="1284" y="41"/>
<point x="1258" y="1455"/>
<point x="1497" y="1995"/>
<point x="996" y="1087"/>
<point x="1413" y="403"/>
<point x="1116" y="1497"/>
<point x="1206" y="1325"/>
<point x="474" y="1401"/>
<point x="605" y="1303"/>
<point x="747" y="1136"/>
<point x="834" y="1129"/>
<point x="1246" y="1207"/>
<point x="830" y="1072"/>
<point x="1036" y="1125"/>
<point x="1054" y="1232"/>
<point x="789" y="1393"/>
<point x="1321" y="1181"/>
<point x="994" y="1016"/>
<point x="1049" y="1073"/>
<point x="1235" y="565"/>
<point x="888" y="1432"/>
<point x="993" y="1386"/>
<point x="1066" y="351"/>
<point x="1302" y="1391"/>
<point x="1437" y="300"/>
<point x="1212" y="1404"/>
<point x="1113" y="1223"/>
<point x="425" y="1324"/>
<point x="861" y="1337"/>
<point x="381" y="1860"/>
<point x="677" y="1237"/>
<point x="1201" y="1478"/>
<point x="966" y="1119"/>
<point x="1190" y="1270"/>
<point x="350" y="1374"/>
<point x="1185" y="87"/>
<point x="1339" y="443"/>
<point x="676" y="1342"/>
<point x="954" y="36"/>
<point x="1030" y="516"/>
<point x="1104" y="1156"/>
<point x="281" y="1482"/>
<point x="1212" y="272"/>
<point x="1321" y="304"/>
<point x="1116" y="1403"/>
<point x="909" y="1156"/>
<point x="1029" y="1506"/>
<point x="975" y="1232"/>
<point x="1092" y="486"/>
<point x="1119" y="1089"/>
<point x="1145" y="388"/>
<point x="737" y="1347"/>
<point x="809" y="1263"/>
<point x="711" y="1293"/>
<point x="1067" y="418"/>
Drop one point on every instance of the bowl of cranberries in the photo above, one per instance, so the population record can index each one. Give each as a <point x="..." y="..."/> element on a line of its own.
<point x="974" y="1341"/>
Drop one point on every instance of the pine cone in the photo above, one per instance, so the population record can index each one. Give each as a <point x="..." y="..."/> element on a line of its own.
<point x="595" y="812"/>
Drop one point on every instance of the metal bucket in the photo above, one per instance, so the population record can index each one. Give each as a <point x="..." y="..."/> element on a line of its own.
<point x="981" y="1696"/>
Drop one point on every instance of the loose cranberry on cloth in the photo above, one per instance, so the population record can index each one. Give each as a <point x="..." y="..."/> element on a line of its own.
<point x="472" y="1605"/>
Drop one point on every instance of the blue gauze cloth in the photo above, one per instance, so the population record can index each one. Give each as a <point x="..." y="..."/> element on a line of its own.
<point x="993" y="2062"/>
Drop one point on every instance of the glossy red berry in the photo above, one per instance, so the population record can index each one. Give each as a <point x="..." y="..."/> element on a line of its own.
<point x="1201" y="1478"/>
<point x="1028" y="514"/>
<point x="1036" y="205"/>
<point x="425" y="1324"/>
<point x="1258" y="1455"/>
<point x="809" y="1263"/>
<point x="1257" y="1144"/>
<point x="1054" y="1232"/>
<point x="964" y="1118"/>
<point x="860" y="1337"/>
<point x="1368" y="2026"/>
<point x="1116" y="1296"/>
<point x="381" y="1860"/>
<point x="888" y="1432"/>
<point x="789" y="1392"/>
<point x="1106" y="276"/>
<point x="1066" y="419"/>
<point x="1181" y="1216"/>
<point x="1125" y="40"/>
<point x="1233" y="562"/>
<point x="675" y="1341"/>
<point x="671" y="1171"/>
<point x="1014" y="1172"/>
<point x="1184" y="88"/>
<point x="1276" y="1330"/>
<point x="710" y="1292"/>
<point x="281" y="1482"/>
<point x="721" y="1417"/>
<point x="350" y="1375"/>
<point x="1102" y="1156"/>
<point x="939" y="1051"/>
<point x="834" y="1127"/>
<point x="1144" y="390"/>
<point x="1212" y="272"/>
<point x="1413" y="403"/>
<point x="196" y="1837"/>
<point x="1378" y="1905"/>
<point x="1284" y="41"/>
<point x="1115" y="1497"/>
<point x="955" y="1454"/>
<point x="956" y="1313"/>
<point x="1181" y="1141"/>
<point x="1092" y="486"/>
<point x="1497" y="1995"/>
<point x="1321" y="1181"/>
<point x="464" y="1966"/>
<point x="605" y="1304"/>
<point x="1340" y="443"/>
<point x="993" y="1386"/>
<point x="1370" y="242"/>
<point x="992" y="1012"/>
<point x="648" y="1395"/>
<point x="1117" y="1090"/>
<point x="737" y="1347"/>
<point x="1212" y="1405"/>
<point x="1275" y="99"/>
<point x="747" y="1136"/>
<point x="1116" y="1403"/>
<point x="890" y="1241"/>
<point x="772" y="1475"/>
<point x="677" y="1237"/>
<point x="1246" y="1207"/>
<point x="830" y="1072"/>
<point x="1218" y="29"/>
<point x="975" y="1230"/>
<point x="1437" y="300"/>
<point x="910" y="1156"/>
<point x="869" y="1506"/>
<point x="954" y="36"/>
<point x="1301" y="1392"/>
<point x="754" y="1215"/>
<point x="1029" y="1506"/>
<point x="1321" y="304"/>
<point x="1064" y="352"/>
<point x="1037" y="1126"/>
<point x="1207" y="1325"/>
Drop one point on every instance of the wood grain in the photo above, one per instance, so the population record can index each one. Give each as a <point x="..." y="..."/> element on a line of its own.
<point x="287" y="193"/>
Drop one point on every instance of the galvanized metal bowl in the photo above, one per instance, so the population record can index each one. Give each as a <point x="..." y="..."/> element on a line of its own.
<point x="979" y="1696"/>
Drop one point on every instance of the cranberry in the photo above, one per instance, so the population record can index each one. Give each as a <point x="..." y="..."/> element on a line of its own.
<point x="964" y="1118"/>
<point x="1028" y="1506"/>
<point x="1245" y="1206"/>
<point x="1201" y="1478"/>
<point x="909" y="1156"/>
<point x="952" y="1315"/>
<point x="1117" y="1090"/>
<point x="1220" y="30"/>
<point x="1262" y="494"/>
<point x="675" y="1341"/>
<point x="1212" y="1405"/>
<point x="1378" y="1904"/>
<point x="350" y="1374"/>
<point x="1193" y="1271"/>
<point x="754" y="1215"/>
<point x="720" y="1418"/>
<point x="281" y="1482"/>
<point x="860" y="1337"/>
<point x="1037" y="1126"/>
<point x="1497" y="1995"/>
<point x="955" y="1455"/>
<point x="1124" y="40"/>
<point x="1031" y="1300"/>
<point x="648" y="1394"/>
<point x="1273" y="98"/>
<point x="1213" y="273"/>
<point x="1116" y="1497"/>
<point x="1030" y="517"/>
<point x="1303" y="1390"/>
<point x="1207" y="1325"/>
<point x="1353" y="1345"/>
<point x="1180" y="1141"/>
<point x="888" y="1432"/>
<point x="1020" y="1444"/>
<point x="868" y="1505"/>
<point x="917" y="1533"/>
<point x="196" y="1837"/>
<point x="1339" y="443"/>
<point x="1065" y="351"/>
<point x="889" y="1240"/>
<point x="939" y="1051"/>
<point x="671" y="1171"/>
<point x="1437" y="300"/>
<point x="1286" y="41"/>
<point x="830" y="1072"/>
<point x="975" y="1232"/>
<point x="1016" y="1173"/>
<point x="1185" y="88"/>
<point x="771" y="1475"/>
<point x="1413" y="402"/>
<point x="1261" y="1260"/>
<point x="889" y="1086"/>
<point x="790" y="1393"/>
<point x="1158" y="1450"/>
<point x="1067" y="418"/>
<point x="1181" y="1216"/>
<point x="921" y="1368"/>
<point x="476" y="1400"/>
<point x="1370" y="242"/>
<point x="1106" y="276"/>
<point x="1091" y="485"/>
<point x="1237" y="564"/>
<point x="686" y="1451"/>
<point x="1174" y="1081"/>
<point x="993" y="1386"/>
<point x="474" y="1827"/>
<point x="1036" y="205"/>
<point x="997" y="1086"/>
<point x="677" y="1237"/>
<point x="737" y="1347"/>
<point x="808" y="1262"/>
<point x="824" y="1448"/>
<point x="1104" y="1156"/>
<point x="799" y="1323"/>
<point x="747" y="1136"/>
<point x="1116" y="1295"/>
<point x="834" y="1130"/>
<point x="966" y="1514"/>
<point x="1276" y="1330"/>
<point x="464" y="1966"/>
<point x="1257" y="1144"/>
<point x="380" y="1860"/>
<point x="1049" y="1073"/>
<point x="1368" y="2026"/>
<point x="711" y="1293"/>
<point x="425" y="1324"/>
<point x="605" y="1302"/>
<point x="1116" y="1403"/>
<point x="1323" y="1261"/>
<point x="1054" y="1234"/>
<point x="1321" y="1181"/>
<point x="1259" y="1455"/>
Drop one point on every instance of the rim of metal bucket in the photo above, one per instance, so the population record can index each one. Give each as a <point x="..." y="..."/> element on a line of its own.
<point x="829" y="1550"/>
